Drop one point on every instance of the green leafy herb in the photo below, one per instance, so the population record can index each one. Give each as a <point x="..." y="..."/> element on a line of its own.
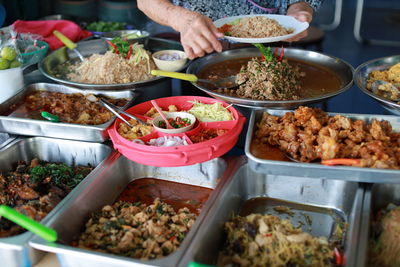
<point x="102" y="26"/>
<point x="266" y="52"/>
<point x="122" y="46"/>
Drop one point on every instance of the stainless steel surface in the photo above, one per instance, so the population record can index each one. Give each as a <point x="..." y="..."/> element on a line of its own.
<point x="14" y="123"/>
<point x="117" y="173"/>
<point x="325" y="201"/>
<point x="5" y="138"/>
<point x="14" y="251"/>
<point x="342" y="69"/>
<point x="361" y="75"/>
<point x="315" y="170"/>
<point x="376" y="197"/>
<point x="50" y="63"/>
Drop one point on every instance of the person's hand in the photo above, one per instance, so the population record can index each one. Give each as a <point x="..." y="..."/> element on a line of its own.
<point x="199" y="35"/>
<point x="302" y="12"/>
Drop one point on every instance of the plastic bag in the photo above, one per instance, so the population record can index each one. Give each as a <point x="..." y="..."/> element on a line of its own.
<point x="10" y="55"/>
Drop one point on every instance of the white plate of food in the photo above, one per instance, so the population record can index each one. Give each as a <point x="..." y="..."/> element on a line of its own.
<point x="260" y="28"/>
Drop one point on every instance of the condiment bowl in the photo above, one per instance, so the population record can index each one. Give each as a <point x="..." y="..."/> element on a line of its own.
<point x="170" y="60"/>
<point x="174" y="115"/>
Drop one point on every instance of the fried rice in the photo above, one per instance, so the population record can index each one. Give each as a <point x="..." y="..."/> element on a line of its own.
<point x="258" y="27"/>
<point x="111" y="68"/>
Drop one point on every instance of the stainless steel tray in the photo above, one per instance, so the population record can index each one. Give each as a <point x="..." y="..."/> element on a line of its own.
<point x="314" y="170"/>
<point x="14" y="251"/>
<point x="116" y="175"/>
<point x="87" y="48"/>
<point x="361" y="75"/>
<point x="342" y="69"/>
<point x="324" y="200"/>
<point x="376" y="197"/>
<point x="5" y="138"/>
<point x="15" y="122"/>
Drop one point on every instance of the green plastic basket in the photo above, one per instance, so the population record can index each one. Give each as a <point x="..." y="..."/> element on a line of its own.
<point x="35" y="56"/>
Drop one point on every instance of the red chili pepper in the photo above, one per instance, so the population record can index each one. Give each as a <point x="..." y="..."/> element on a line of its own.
<point x="128" y="56"/>
<point x="268" y="235"/>
<point x="262" y="57"/>
<point x="338" y="257"/>
<point x="276" y="53"/>
<point x="113" y="46"/>
<point x="282" y="54"/>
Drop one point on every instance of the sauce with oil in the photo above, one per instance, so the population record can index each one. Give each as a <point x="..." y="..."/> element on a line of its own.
<point x="177" y="195"/>
<point x="266" y="151"/>
<point x="317" y="82"/>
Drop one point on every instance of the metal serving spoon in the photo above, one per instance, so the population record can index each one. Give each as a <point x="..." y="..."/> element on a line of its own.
<point x="227" y="82"/>
<point x="377" y="83"/>
<point x="116" y="111"/>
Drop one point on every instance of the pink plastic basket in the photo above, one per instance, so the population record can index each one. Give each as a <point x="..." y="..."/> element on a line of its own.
<point x="179" y="155"/>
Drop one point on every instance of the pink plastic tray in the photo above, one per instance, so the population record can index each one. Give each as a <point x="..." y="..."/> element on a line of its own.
<point x="179" y="155"/>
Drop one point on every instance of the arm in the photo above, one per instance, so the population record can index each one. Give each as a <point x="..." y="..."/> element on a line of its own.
<point x="198" y="34"/>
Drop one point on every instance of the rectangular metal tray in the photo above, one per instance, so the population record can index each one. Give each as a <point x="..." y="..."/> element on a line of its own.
<point x="377" y="197"/>
<point x="314" y="170"/>
<point x="14" y="250"/>
<point x="116" y="175"/>
<point x="323" y="200"/>
<point x="15" y="124"/>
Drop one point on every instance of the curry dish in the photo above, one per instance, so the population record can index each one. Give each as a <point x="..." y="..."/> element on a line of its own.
<point x="311" y="80"/>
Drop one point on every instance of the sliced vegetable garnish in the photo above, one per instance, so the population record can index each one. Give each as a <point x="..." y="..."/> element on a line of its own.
<point x="347" y="162"/>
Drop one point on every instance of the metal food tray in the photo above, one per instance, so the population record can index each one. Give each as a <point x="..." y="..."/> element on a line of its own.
<point x="361" y="77"/>
<point x="315" y="170"/>
<point x="339" y="67"/>
<point x="16" y="124"/>
<point x="116" y="175"/>
<point x="14" y="250"/>
<point x="376" y="197"/>
<point x="324" y="201"/>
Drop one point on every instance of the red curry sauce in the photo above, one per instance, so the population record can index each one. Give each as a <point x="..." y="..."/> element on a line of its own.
<point x="177" y="195"/>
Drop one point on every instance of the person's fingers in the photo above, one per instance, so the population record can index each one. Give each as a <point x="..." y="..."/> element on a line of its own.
<point x="302" y="16"/>
<point x="211" y="40"/>
<point x="188" y="51"/>
<point x="204" y="44"/>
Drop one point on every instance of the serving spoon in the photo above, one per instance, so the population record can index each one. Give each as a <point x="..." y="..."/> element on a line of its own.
<point x="154" y="103"/>
<point x="227" y="82"/>
<point x="331" y="162"/>
<point x="68" y="43"/>
<point x="116" y="111"/>
<point x="377" y="83"/>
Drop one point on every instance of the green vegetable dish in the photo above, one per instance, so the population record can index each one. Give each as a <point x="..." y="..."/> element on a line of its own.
<point x="102" y="26"/>
<point x="35" y="188"/>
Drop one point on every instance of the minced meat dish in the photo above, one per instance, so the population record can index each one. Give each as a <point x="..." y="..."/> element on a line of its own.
<point x="269" y="80"/>
<point x="137" y="230"/>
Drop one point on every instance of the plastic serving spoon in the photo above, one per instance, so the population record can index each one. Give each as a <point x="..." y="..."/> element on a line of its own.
<point x="44" y="232"/>
<point x="68" y="43"/>
<point x="154" y="103"/>
<point x="227" y="82"/>
<point x="331" y="162"/>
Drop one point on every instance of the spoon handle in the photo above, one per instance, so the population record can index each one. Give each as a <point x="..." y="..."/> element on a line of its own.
<point x="161" y="114"/>
<point x="44" y="232"/>
<point x="176" y="75"/>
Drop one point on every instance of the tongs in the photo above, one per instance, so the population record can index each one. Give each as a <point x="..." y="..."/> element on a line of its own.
<point x="117" y="110"/>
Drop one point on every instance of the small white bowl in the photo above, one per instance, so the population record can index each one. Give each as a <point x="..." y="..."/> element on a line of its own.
<point x="175" y="115"/>
<point x="172" y="64"/>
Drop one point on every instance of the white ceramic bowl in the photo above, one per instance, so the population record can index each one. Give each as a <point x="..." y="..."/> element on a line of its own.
<point x="168" y="64"/>
<point x="175" y="115"/>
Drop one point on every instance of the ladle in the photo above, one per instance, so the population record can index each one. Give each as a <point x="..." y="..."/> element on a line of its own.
<point x="377" y="83"/>
<point x="68" y="43"/>
<point x="227" y="82"/>
<point x="154" y="103"/>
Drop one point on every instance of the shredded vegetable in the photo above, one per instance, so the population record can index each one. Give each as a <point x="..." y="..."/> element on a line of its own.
<point x="210" y="112"/>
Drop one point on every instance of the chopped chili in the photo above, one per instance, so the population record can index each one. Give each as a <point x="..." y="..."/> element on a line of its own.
<point x="113" y="46"/>
<point x="128" y="56"/>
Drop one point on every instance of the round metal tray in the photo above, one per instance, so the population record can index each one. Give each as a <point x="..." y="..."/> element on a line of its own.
<point x="361" y="75"/>
<point x="87" y="48"/>
<point x="342" y="69"/>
